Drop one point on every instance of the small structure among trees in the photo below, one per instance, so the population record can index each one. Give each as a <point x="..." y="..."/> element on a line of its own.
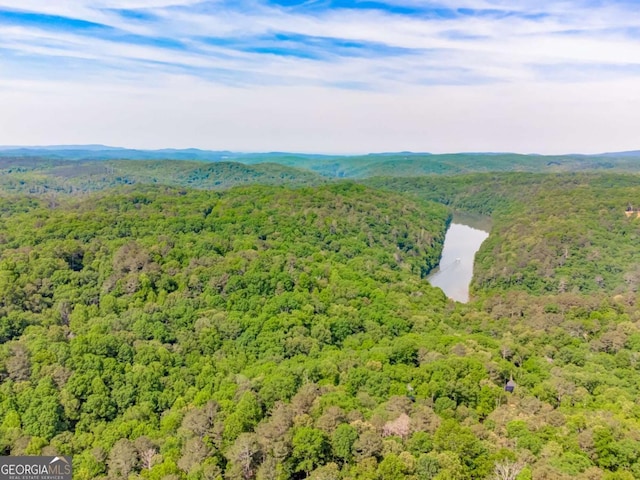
<point x="510" y="386"/>
<point x="631" y="211"/>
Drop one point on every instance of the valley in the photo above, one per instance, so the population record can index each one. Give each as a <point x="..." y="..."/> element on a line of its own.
<point x="455" y="269"/>
<point x="212" y="320"/>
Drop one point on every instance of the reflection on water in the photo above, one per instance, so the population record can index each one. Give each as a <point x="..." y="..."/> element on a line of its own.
<point x="455" y="271"/>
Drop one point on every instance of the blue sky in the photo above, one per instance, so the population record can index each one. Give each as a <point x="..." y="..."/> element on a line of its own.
<point x="322" y="75"/>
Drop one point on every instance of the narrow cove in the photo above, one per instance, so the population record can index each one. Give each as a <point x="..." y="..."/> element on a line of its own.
<point x="455" y="271"/>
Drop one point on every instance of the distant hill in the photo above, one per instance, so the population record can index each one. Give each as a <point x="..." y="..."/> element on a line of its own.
<point x="308" y="167"/>
<point x="103" y="152"/>
<point x="95" y="147"/>
<point x="633" y="153"/>
<point x="418" y="164"/>
<point x="43" y="175"/>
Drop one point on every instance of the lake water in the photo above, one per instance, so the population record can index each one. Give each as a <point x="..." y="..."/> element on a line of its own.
<point x="462" y="241"/>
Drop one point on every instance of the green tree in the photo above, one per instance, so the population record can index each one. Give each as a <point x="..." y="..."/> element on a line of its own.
<point x="342" y="442"/>
<point x="309" y="449"/>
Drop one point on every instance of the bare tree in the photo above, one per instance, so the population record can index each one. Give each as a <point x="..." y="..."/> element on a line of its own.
<point x="245" y="454"/>
<point x="122" y="459"/>
<point x="147" y="458"/>
<point x="18" y="364"/>
<point x="194" y="451"/>
<point x="147" y="452"/>
<point x="507" y="470"/>
<point x="274" y="433"/>
<point x="199" y="421"/>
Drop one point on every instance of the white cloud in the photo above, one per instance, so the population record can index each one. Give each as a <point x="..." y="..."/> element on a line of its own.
<point x="529" y="83"/>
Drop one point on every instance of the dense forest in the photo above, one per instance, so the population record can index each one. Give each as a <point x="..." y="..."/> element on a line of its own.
<point x="91" y="168"/>
<point x="41" y="175"/>
<point x="551" y="233"/>
<point x="288" y="332"/>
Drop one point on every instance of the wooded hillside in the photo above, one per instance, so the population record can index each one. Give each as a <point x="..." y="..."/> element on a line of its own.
<point x="277" y="333"/>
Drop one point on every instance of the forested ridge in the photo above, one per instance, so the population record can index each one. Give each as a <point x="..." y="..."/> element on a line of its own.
<point x="551" y="233"/>
<point x="275" y="333"/>
<point x="392" y="164"/>
<point x="43" y="175"/>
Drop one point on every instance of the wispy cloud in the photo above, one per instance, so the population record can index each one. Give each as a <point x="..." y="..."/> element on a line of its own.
<point x="394" y="42"/>
<point x="384" y="47"/>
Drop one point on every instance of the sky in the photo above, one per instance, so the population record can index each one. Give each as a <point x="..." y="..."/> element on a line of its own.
<point x="324" y="76"/>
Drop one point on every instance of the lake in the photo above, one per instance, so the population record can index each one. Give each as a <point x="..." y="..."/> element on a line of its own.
<point x="463" y="239"/>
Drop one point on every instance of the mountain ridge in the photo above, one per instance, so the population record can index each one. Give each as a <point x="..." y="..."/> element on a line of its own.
<point x="94" y="148"/>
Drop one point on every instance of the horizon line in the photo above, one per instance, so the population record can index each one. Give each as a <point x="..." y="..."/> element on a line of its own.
<point x="97" y="147"/>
